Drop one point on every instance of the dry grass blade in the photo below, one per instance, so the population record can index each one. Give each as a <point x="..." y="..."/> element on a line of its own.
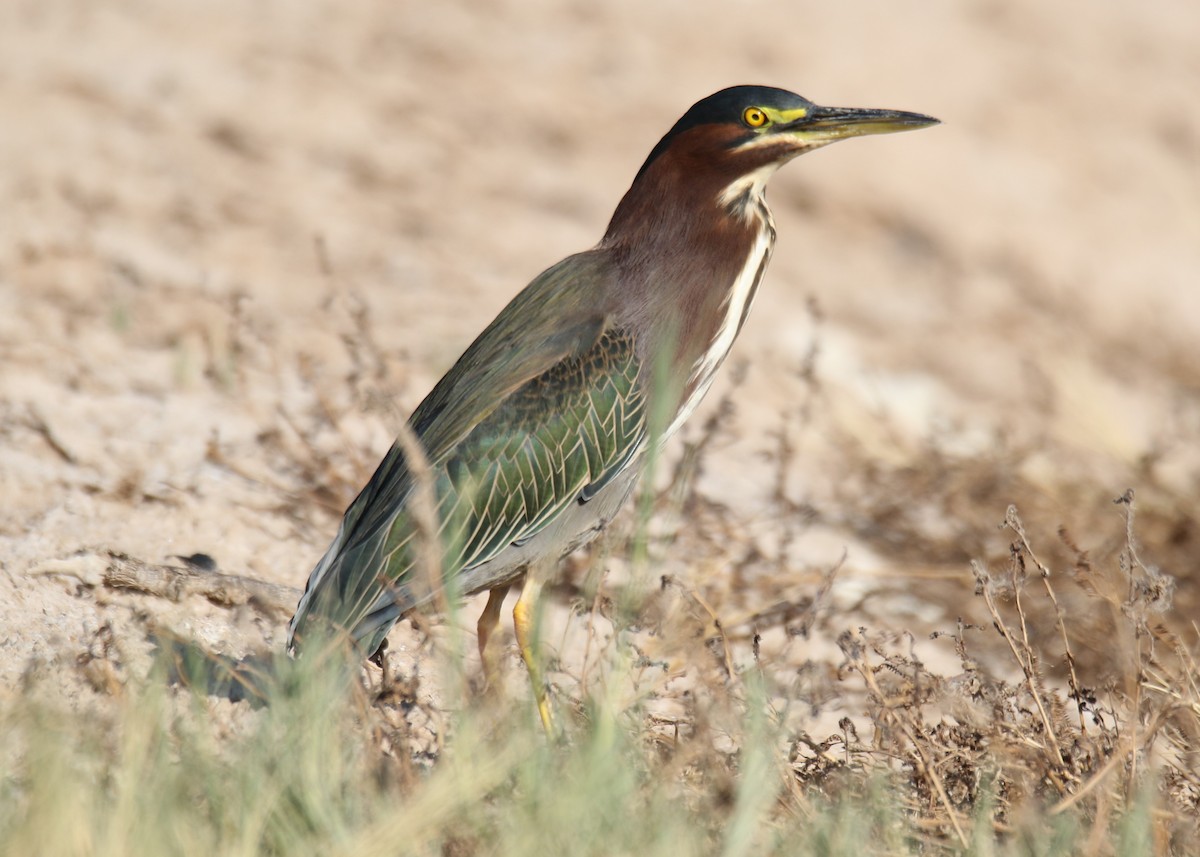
<point x="422" y="508"/>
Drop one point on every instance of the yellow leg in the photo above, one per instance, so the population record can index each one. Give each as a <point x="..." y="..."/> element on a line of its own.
<point x="523" y="617"/>
<point x="489" y="621"/>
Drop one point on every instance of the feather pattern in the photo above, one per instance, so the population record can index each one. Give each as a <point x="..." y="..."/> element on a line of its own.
<point x="569" y="417"/>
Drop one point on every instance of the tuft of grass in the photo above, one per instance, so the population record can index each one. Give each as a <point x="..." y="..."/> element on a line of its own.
<point x="326" y="766"/>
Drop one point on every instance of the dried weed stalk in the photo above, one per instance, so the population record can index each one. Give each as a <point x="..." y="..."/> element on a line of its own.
<point x="1033" y="740"/>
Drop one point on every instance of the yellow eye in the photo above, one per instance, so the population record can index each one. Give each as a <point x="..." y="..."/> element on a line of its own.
<point x="754" y="117"/>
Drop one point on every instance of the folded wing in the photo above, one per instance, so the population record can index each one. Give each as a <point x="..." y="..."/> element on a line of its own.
<point x="543" y="409"/>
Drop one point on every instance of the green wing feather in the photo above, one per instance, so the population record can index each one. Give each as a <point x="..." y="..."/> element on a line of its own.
<point x="567" y="429"/>
<point x="543" y="409"/>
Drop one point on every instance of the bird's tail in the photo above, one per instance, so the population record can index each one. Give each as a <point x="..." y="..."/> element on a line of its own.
<point x="350" y="598"/>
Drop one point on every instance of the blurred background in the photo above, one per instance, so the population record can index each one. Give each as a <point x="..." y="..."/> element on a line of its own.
<point x="240" y="241"/>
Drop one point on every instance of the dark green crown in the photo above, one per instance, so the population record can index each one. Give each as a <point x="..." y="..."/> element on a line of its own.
<point x="724" y="107"/>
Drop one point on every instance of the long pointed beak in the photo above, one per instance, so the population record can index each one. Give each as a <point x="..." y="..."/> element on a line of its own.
<point x="826" y="124"/>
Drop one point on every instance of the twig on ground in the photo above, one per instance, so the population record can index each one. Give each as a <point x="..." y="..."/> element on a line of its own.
<point x="176" y="582"/>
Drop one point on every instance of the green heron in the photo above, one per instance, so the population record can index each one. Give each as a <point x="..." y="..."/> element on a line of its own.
<point x="535" y="437"/>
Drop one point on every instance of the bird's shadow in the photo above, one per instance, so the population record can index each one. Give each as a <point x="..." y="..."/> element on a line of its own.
<point x="254" y="678"/>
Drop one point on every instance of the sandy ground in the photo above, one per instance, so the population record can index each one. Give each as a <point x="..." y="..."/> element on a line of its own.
<point x="240" y="241"/>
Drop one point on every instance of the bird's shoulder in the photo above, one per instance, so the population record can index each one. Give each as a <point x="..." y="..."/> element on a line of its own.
<point x="562" y="314"/>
